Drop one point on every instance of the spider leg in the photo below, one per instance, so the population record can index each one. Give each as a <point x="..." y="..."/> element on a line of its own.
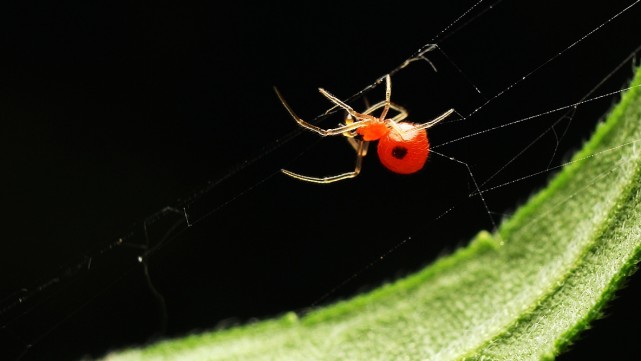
<point x="388" y="95"/>
<point x="356" y="145"/>
<point x="361" y="150"/>
<point x="350" y="137"/>
<point x="340" y="103"/>
<point x="384" y="104"/>
<point x="321" y="131"/>
<point x="387" y="104"/>
<point x="434" y="121"/>
<point x="426" y="125"/>
<point x="402" y="112"/>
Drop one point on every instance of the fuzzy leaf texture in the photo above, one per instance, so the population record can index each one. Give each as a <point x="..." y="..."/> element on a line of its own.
<point x="523" y="293"/>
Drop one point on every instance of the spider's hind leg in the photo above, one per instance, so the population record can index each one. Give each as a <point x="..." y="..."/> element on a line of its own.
<point x="361" y="150"/>
<point x="358" y="145"/>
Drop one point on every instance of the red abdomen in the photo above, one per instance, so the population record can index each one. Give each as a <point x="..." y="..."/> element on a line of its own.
<point x="404" y="156"/>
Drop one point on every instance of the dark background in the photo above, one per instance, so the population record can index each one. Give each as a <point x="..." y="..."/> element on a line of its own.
<point x="116" y="116"/>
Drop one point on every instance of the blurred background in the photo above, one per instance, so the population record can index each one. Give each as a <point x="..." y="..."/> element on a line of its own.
<point x="120" y="118"/>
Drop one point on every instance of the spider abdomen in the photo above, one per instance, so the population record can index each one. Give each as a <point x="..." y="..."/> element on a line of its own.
<point x="405" y="154"/>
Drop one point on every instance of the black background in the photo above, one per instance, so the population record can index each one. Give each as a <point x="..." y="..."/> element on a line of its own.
<point x="111" y="112"/>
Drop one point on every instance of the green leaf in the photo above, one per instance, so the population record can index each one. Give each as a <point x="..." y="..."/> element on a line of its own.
<point x="524" y="292"/>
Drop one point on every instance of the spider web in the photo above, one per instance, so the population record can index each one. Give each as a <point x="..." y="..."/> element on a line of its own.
<point x="250" y="242"/>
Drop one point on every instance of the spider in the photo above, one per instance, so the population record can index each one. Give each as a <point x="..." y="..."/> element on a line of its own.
<point x="403" y="147"/>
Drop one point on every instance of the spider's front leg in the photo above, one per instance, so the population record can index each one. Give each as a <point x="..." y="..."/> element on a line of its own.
<point x="319" y="130"/>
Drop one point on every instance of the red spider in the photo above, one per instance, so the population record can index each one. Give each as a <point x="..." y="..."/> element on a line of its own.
<point x="402" y="146"/>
